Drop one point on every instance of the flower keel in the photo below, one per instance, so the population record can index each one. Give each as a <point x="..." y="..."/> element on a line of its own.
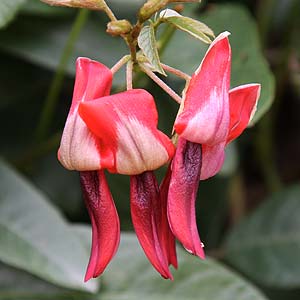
<point x="104" y="219"/>
<point x="146" y="214"/>
<point x="186" y="169"/>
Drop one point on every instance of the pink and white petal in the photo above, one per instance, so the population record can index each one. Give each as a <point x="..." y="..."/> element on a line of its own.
<point x="212" y="160"/>
<point x="146" y="214"/>
<point x="104" y="219"/>
<point x="243" y="102"/>
<point x="79" y="148"/>
<point x="126" y="124"/>
<point x="93" y="80"/>
<point x="139" y="148"/>
<point x="205" y="116"/>
<point x="186" y="167"/>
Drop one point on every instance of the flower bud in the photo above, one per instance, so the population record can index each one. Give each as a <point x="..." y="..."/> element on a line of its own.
<point x="150" y="8"/>
<point x="118" y="27"/>
<point x="153" y="6"/>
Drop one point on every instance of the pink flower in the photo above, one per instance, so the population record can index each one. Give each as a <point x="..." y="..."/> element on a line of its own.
<point x="212" y="116"/>
<point x="118" y="133"/>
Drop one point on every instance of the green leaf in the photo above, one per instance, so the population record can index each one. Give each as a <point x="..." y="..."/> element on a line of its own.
<point x="8" y="9"/>
<point x="16" y="284"/>
<point x="248" y="62"/>
<point x="147" y="43"/>
<point x="266" y="245"/>
<point x="35" y="237"/>
<point x="194" y="27"/>
<point x="131" y="276"/>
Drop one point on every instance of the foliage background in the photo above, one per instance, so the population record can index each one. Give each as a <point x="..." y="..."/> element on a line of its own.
<point x="247" y="215"/>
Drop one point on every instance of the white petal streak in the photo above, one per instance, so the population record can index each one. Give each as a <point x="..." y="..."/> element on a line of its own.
<point x="138" y="149"/>
<point x="78" y="149"/>
<point x="209" y="125"/>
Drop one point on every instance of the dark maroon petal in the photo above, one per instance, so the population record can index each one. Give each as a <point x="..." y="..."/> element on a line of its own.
<point x="146" y="210"/>
<point x="104" y="219"/>
<point x="186" y="167"/>
<point x="167" y="237"/>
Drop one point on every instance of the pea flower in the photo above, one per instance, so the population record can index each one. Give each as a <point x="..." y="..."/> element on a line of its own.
<point x="211" y="117"/>
<point x="118" y="133"/>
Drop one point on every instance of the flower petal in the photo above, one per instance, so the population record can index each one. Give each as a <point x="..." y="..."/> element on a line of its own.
<point x="242" y="101"/>
<point x="79" y="149"/>
<point x="93" y="80"/>
<point x="167" y="237"/>
<point x="182" y="195"/>
<point x="212" y="160"/>
<point x="126" y="124"/>
<point x="146" y="214"/>
<point x="205" y="116"/>
<point x="104" y="219"/>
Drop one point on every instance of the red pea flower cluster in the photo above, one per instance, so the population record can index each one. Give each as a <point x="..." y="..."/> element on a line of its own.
<point x="119" y="133"/>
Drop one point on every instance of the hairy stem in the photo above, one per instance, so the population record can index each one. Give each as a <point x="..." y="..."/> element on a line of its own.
<point x="120" y="64"/>
<point x="129" y="70"/>
<point x="265" y="151"/>
<point x="109" y="12"/>
<point x="161" y="83"/>
<point x="176" y="72"/>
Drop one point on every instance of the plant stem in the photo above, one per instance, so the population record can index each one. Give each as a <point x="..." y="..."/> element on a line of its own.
<point x="237" y="197"/>
<point x="57" y="82"/>
<point x="161" y="83"/>
<point x="265" y="140"/>
<point x="120" y="64"/>
<point x="176" y="72"/>
<point x="265" y="148"/>
<point x="109" y="12"/>
<point x="129" y="70"/>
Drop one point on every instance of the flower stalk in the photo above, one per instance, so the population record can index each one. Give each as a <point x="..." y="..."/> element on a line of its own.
<point x="176" y="72"/>
<point x="129" y="72"/>
<point x="120" y="63"/>
<point x="161" y="83"/>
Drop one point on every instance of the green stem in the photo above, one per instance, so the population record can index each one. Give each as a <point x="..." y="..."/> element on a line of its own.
<point x="265" y="140"/>
<point x="237" y="198"/>
<point x="265" y="150"/>
<point x="129" y="70"/>
<point x="160" y="83"/>
<point x="57" y="82"/>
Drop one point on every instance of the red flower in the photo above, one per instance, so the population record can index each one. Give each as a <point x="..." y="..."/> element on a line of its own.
<point x="212" y="117"/>
<point x="118" y="133"/>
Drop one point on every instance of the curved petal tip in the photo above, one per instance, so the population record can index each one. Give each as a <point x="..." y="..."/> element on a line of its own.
<point x="104" y="219"/>
<point x="186" y="167"/>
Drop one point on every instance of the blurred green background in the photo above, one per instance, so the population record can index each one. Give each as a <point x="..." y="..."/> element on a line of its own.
<point x="248" y="215"/>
